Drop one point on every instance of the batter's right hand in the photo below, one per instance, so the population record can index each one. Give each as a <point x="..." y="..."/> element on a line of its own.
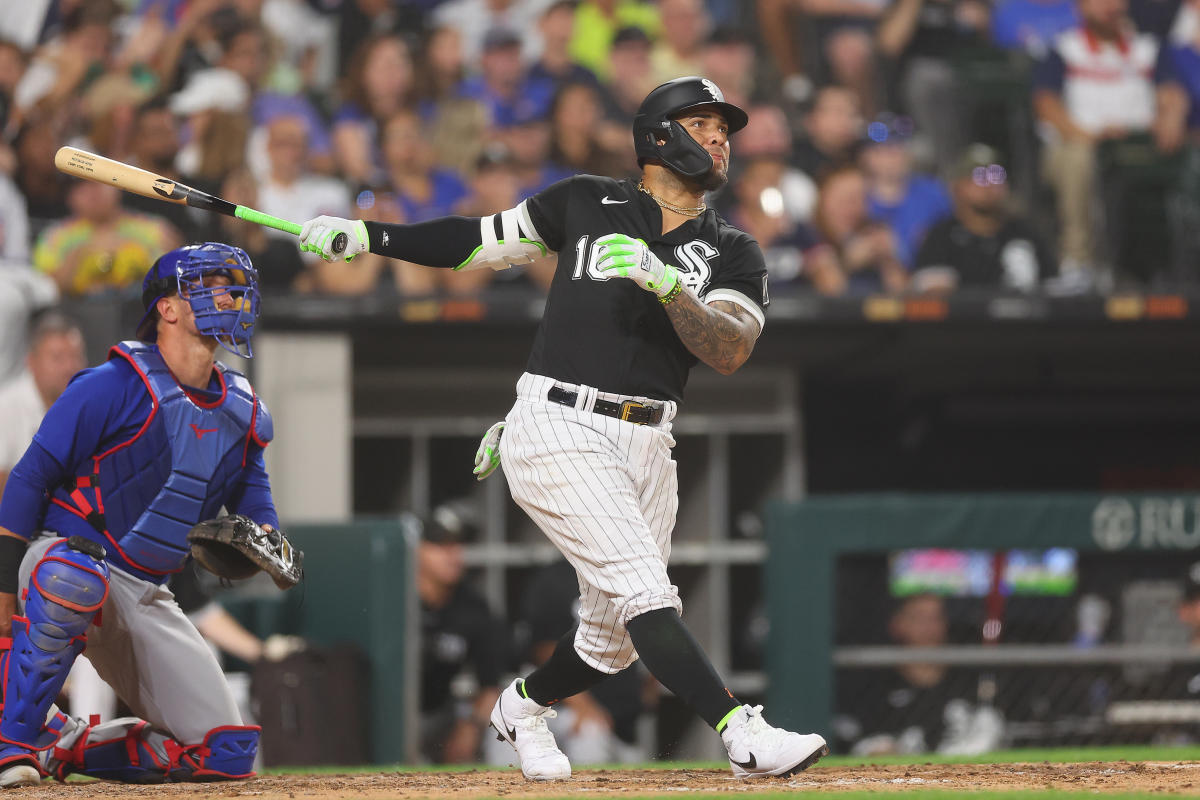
<point x="8" y="610"/>
<point x="317" y="235"/>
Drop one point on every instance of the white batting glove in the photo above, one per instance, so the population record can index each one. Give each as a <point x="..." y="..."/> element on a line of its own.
<point x="487" y="457"/>
<point x="317" y="235"/>
<point x="631" y="258"/>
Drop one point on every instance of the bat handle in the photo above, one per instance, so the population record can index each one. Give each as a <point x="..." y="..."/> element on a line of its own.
<point x="339" y="244"/>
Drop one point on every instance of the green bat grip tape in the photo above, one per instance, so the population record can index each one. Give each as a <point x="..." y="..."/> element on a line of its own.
<point x="258" y="217"/>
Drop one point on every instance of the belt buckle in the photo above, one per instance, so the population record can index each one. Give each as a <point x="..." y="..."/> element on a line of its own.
<point x="628" y="406"/>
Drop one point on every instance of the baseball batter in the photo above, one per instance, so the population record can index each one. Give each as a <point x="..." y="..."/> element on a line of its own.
<point x="133" y="454"/>
<point x="649" y="281"/>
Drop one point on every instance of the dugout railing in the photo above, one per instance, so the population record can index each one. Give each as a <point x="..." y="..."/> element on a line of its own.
<point x="807" y="539"/>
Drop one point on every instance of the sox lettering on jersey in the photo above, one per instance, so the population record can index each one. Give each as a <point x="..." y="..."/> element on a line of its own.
<point x="691" y="259"/>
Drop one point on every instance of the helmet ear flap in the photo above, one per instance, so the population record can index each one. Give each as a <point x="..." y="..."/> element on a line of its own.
<point x="683" y="154"/>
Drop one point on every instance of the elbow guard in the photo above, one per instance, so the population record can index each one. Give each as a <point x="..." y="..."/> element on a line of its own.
<point x="517" y="244"/>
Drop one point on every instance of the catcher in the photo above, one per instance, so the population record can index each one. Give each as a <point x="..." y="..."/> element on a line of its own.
<point x="108" y="501"/>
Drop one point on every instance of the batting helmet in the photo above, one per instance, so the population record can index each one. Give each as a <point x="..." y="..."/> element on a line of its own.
<point x="655" y="120"/>
<point x="181" y="271"/>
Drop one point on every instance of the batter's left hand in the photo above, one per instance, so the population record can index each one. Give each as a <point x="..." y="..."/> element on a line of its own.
<point x="626" y="257"/>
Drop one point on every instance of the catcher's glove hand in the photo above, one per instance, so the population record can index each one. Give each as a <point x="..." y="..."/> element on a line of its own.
<point x="235" y="547"/>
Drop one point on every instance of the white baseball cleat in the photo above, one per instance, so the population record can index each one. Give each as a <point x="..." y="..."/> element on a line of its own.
<point x="19" y="775"/>
<point x="522" y="723"/>
<point x="757" y="749"/>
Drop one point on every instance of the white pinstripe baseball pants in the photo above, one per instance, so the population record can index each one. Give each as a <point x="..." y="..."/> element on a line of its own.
<point x="605" y="493"/>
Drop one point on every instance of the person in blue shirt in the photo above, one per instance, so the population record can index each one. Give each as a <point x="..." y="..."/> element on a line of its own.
<point x="95" y="518"/>
<point x="897" y="195"/>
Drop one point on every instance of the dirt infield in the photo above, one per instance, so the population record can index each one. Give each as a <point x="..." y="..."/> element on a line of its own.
<point x="1118" y="776"/>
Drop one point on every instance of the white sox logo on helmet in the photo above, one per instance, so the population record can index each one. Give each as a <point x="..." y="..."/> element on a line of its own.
<point x="713" y="90"/>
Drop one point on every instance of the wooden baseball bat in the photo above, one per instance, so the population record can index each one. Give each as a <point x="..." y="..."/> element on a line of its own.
<point x="92" y="167"/>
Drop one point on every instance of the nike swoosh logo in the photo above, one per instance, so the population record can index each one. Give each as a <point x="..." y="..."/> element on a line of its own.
<point x="608" y="201"/>
<point x="751" y="763"/>
<point x="512" y="732"/>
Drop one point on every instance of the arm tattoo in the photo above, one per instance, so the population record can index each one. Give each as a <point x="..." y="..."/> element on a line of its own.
<point x="721" y="335"/>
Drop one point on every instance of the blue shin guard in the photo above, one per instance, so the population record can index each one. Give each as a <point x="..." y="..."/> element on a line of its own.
<point x="67" y="587"/>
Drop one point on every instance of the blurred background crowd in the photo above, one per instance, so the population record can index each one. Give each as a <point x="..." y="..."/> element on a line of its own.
<point x="894" y="145"/>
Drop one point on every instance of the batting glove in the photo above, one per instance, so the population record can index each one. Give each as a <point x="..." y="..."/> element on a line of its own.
<point x="487" y="457"/>
<point x="631" y="258"/>
<point x="317" y="235"/>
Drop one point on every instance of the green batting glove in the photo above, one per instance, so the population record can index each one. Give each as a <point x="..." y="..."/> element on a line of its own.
<point x="317" y="235"/>
<point x="487" y="457"/>
<point x="626" y="257"/>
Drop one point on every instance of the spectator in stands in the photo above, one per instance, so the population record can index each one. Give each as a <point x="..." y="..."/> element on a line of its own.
<point x="685" y="26"/>
<point x="40" y="183"/>
<point x="769" y="137"/>
<point x="24" y="292"/>
<point x="55" y="355"/>
<point x="728" y="61"/>
<point x="61" y="68"/>
<point x="1183" y="56"/>
<point x="422" y="190"/>
<point x="575" y="144"/>
<point x="101" y="246"/>
<point x="475" y="19"/>
<point x="779" y="32"/>
<point x="14" y="223"/>
<point x="1101" y="82"/>
<point x="915" y="708"/>
<point x="210" y="103"/>
<point x="155" y="145"/>
<point x="276" y="258"/>
<point x="909" y="203"/>
<point x="13" y="63"/>
<point x="378" y="83"/>
<point x="833" y="129"/>
<point x="598" y="726"/>
<point x="555" y="65"/>
<point x="528" y="140"/>
<point x="290" y="190"/>
<point x="503" y="86"/>
<point x="458" y="125"/>
<point x="630" y="79"/>
<point x="459" y="635"/>
<point x="983" y="245"/>
<point x="596" y="24"/>
<point x="794" y="254"/>
<point x="924" y="36"/>
<point x="1032" y="26"/>
<point x="865" y="250"/>
<point x="244" y="52"/>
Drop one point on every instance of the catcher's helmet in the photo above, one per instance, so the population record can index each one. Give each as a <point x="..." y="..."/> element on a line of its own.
<point x="181" y="271"/>
<point x="654" y="121"/>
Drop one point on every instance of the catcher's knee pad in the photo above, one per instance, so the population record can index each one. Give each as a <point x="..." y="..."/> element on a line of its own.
<point x="228" y="753"/>
<point x="67" y="587"/>
<point x="129" y="750"/>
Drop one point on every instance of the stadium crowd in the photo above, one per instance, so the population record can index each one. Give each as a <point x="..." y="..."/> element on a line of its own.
<point x="894" y="145"/>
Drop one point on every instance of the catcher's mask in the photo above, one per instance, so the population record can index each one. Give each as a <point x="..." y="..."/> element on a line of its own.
<point x="655" y="120"/>
<point x="181" y="271"/>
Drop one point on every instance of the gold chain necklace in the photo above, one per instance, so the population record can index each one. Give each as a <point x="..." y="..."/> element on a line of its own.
<point x="681" y="210"/>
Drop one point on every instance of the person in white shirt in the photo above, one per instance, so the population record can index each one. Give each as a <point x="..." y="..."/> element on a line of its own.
<point x="55" y="355"/>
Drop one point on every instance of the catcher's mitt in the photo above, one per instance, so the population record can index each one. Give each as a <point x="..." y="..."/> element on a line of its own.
<point x="236" y="547"/>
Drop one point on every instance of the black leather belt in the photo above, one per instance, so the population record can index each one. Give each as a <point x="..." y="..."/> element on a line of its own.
<point x="629" y="410"/>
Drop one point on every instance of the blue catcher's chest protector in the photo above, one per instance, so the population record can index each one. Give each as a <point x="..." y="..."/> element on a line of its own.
<point x="180" y="468"/>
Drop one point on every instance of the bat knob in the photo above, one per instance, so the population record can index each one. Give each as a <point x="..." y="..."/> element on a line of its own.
<point x="339" y="244"/>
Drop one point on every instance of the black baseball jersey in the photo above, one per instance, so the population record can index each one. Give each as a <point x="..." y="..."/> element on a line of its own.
<point x="608" y="332"/>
